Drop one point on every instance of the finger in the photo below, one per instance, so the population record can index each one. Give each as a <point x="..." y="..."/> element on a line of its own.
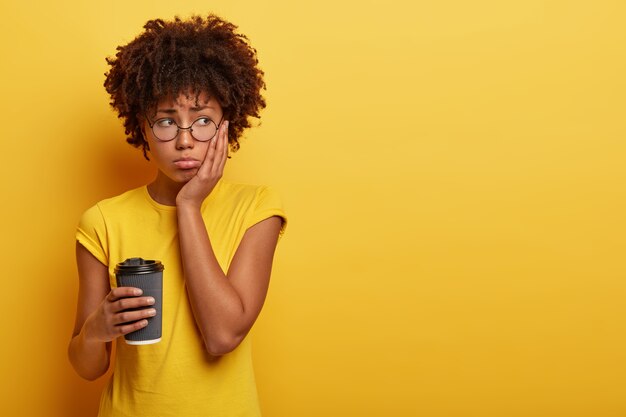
<point x="219" y="150"/>
<point x="225" y="150"/>
<point x="123" y="292"/>
<point x="133" y="316"/>
<point x="132" y="303"/>
<point x="131" y="327"/>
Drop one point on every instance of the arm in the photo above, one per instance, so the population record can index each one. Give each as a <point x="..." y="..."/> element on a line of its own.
<point x="226" y="306"/>
<point x="100" y="317"/>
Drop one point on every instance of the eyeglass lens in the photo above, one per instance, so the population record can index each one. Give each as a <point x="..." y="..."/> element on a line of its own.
<point x="202" y="129"/>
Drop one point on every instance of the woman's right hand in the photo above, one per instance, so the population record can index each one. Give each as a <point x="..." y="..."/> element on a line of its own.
<point x="115" y="316"/>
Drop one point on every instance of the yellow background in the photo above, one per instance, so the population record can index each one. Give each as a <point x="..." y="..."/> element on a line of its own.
<point x="455" y="180"/>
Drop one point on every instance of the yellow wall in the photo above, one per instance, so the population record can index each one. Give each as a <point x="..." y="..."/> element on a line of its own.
<point x="454" y="175"/>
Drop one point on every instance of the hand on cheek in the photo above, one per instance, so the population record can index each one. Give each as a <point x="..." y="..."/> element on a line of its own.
<point x="209" y="173"/>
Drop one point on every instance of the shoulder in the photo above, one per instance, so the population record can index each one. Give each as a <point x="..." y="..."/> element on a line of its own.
<point x="258" y="202"/>
<point x="130" y="197"/>
<point x="112" y="205"/>
<point x="235" y="192"/>
<point x="239" y="189"/>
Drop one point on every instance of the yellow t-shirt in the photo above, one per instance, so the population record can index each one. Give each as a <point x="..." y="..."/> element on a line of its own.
<point x="176" y="377"/>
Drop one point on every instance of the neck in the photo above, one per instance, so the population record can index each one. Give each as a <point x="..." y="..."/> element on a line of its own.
<point x="163" y="190"/>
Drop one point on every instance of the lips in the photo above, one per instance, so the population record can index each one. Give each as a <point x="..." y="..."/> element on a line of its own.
<point x="187" y="163"/>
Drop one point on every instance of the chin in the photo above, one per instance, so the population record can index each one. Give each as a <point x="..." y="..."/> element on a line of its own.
<point x="187" y="175"/>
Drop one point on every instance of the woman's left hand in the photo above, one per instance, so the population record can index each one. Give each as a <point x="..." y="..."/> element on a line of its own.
<point x="200" y="186"/>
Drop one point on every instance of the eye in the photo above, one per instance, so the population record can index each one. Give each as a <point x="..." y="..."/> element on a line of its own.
<point x="165" y="122"/>
<point x="203" y="121"/>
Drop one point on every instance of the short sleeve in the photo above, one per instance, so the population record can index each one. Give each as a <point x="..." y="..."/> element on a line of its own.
<point x="267" y="204"/>
<point x="91" y="233"/>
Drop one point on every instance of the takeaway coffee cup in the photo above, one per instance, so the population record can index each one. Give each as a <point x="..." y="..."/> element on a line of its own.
<point x="147" y="275"/>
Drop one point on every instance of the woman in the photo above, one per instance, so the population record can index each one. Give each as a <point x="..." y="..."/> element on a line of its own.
<point x="185" y="90"/>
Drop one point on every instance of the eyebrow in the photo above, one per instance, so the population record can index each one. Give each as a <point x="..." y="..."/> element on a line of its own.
<point x="194" y="109"/>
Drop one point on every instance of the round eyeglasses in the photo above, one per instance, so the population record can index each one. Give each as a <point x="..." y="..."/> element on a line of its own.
<point x="166" y="129"/>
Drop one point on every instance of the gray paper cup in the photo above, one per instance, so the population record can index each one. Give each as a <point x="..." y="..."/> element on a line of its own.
<point x="147" y="275"/>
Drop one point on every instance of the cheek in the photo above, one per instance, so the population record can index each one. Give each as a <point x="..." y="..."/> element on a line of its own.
<point x="203" y="148"/>
<point x="158" y="154"/>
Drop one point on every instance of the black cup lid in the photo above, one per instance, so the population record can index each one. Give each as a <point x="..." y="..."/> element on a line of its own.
<point x="138" y="266"/>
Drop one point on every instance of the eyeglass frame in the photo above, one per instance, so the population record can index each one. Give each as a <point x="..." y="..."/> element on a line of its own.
<point x="217" y="128"/>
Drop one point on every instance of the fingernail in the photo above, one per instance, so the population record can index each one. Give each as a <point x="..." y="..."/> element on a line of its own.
<point x="150" y="300"/>
<point x="152" y="312"/>
<point x="137" y="291"/>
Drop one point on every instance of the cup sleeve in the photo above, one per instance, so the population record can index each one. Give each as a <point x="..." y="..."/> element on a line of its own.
<point x="91" y="233"/>
<point x="267" y="204"/>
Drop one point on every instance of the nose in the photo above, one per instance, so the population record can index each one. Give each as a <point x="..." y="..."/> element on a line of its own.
<point x="184" y="139"/>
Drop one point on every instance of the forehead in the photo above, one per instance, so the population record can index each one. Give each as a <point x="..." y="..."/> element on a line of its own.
<point x="187" y="100"/>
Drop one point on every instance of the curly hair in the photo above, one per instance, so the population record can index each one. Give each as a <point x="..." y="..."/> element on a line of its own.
<point x="186" y="56"/>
